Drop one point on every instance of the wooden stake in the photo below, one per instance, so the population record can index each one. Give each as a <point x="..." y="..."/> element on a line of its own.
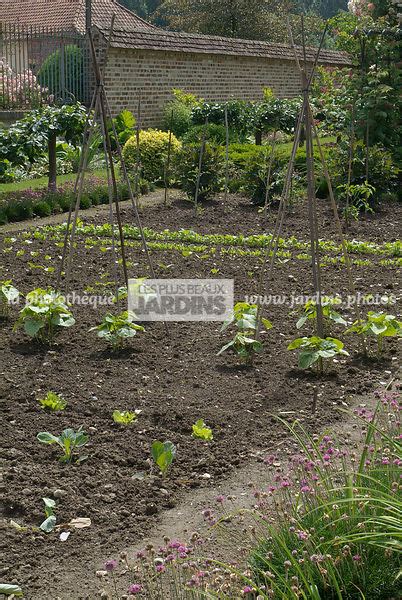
<point x="202" y="150"/>
<point x="350" y="163"/>
<point x="167" y="165"/>
<point x="268" y="180"/>
<point x="138" y="154"/>
<point x="226" y="158"/>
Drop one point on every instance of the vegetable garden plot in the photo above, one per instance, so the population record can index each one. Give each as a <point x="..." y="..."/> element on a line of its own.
<point x="168" y="384"/>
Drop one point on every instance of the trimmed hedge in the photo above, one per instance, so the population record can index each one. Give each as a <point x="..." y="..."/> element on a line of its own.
<point x="26" y="204"/>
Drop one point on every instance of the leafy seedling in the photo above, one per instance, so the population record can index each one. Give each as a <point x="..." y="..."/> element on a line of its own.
<point x="201" y="431"/>
<point x="70" y="442"/>
<point x="329" y="314"/>
<point x="10" y="589"/>
<point x="116" y="329"/>
<point x="378" y="324"/>
<point x="163" y="454"/>
<point x="45" y="312"/>
<point x="125" y="417"/>
<point x="53" y="402"/>
<point x="8" y="295"/>
<point x="314" y="350"/>
<point x="50" y="522"/>
<point x="244" y="344"/>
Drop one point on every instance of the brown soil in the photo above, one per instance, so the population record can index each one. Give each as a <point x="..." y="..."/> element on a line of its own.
<point x="174" y="381"/>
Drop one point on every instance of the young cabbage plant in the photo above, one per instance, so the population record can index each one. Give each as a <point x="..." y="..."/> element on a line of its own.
<point x="328" y="312"/>
<point x="163" y="454"/>
<point x="201" y="431"/>
<point x="378" y="324"/>
<point x="125" y="417"/>
<point x="50" y="522"/>
<point x="314" y="350"/>
<point x="8" y="295"/>
<point x="244" y="344"/>
<point x="116" y="329"/>
<point x="44" y="314"/>
<point x="69" y="441"/>
<point x="52" y="402"/>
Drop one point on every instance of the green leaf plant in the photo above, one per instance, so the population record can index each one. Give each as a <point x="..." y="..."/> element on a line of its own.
<point x="8" y="295"/>
<point x="328" y="312"/>
<point x="50" y="522"/>
<point x="125" y="417"/>
<point x="244" y="342"/>
<point x="163" y="454"/>
<point x="201" y="431"/>
<point x="116" y="329"/>
<point x="52" y="402"/>
<point x="377" y="324"/>
<point x="44" y="314"/>
<point x="314" y="350"/>
<point x="69" y="441"/>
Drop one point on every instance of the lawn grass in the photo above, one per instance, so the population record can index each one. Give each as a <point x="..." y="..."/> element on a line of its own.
<point x="42" y="182"/>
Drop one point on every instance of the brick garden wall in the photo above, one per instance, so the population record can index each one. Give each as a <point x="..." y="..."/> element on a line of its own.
<point x="213" y="77"/>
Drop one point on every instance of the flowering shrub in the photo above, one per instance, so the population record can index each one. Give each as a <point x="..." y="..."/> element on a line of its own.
<point x="19" y="89"/>
<point x="360" y="7"/>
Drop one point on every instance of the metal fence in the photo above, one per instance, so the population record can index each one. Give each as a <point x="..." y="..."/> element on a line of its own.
<point x="39" y="65"/>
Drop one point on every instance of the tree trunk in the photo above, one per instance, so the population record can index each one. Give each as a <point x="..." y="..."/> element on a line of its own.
<point x="52" y="162"/>
<point x="258" y="137"/>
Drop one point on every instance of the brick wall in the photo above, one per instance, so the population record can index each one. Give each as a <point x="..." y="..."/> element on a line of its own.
<point x="213" y="77"/>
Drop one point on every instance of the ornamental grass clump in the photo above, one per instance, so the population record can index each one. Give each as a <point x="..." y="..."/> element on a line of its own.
<point x="337" y="532"/>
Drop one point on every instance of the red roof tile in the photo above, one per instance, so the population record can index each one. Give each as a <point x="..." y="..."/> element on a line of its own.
<point x="68" y="14"/>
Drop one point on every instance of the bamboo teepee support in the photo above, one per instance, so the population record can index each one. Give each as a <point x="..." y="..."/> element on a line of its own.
<point x="274" y="241"/>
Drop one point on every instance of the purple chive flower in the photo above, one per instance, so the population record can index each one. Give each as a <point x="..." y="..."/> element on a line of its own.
<point x="135" y="588"/>
<point x="110" y="565"/>
<point x="160" y="568"/>
<point x="247" y="590"/>
<point x="220" y="499"/>
<point x="357" y="558"/>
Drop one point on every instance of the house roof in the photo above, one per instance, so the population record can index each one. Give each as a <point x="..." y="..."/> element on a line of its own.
<point x="69" y="14"/>
<point x="172" y="41"/>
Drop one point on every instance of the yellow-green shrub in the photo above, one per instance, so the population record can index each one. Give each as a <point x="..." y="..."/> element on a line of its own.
<point x="153" y="153"/>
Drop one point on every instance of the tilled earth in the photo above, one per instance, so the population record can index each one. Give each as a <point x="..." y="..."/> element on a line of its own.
<point x="173" y="379"/>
